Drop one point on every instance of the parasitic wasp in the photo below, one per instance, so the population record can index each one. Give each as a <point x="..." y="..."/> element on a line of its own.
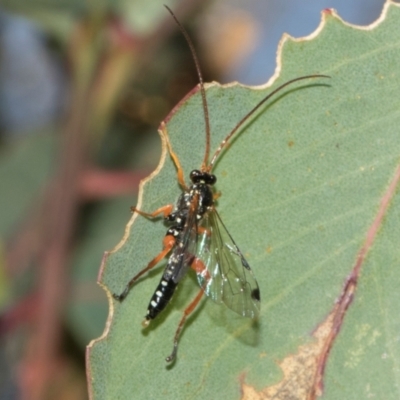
<point x="197" y="238"/>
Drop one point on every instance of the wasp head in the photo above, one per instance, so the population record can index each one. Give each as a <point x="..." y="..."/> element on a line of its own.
<point x="197" y="176"/>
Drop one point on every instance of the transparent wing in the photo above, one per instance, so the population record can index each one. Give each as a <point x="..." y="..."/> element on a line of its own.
<point x="227" y="277"/>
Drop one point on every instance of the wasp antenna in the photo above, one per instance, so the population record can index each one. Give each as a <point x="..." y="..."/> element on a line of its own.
<point x="202" y="90"/>
<point x="249" y="114"/>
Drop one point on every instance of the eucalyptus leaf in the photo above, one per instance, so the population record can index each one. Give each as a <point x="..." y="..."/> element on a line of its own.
<point x="300" y="187"/>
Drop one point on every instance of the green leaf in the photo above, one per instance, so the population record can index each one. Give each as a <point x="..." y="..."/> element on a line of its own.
<point x="301" y="185"/>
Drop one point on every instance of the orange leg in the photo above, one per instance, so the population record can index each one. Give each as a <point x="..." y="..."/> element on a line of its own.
<point x="169" y="242"/>
<point x="198" y="266"/>
<point x="166" y="210"/>
<point x="175" y="159"/>
<point x="201" y="230"/>
<point x="188" y="310"/>
<point x="217" y="195"/>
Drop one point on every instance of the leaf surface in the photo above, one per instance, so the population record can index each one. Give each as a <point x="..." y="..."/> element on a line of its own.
<point x="301" y="185"/>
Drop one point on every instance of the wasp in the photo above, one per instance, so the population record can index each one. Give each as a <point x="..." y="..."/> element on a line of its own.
<point x="197" y="238"/>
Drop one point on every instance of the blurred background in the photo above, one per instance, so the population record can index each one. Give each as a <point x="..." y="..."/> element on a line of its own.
<point x="83" y="88"/>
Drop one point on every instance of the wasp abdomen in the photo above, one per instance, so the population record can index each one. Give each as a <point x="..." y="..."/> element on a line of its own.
<point x="160" y="298"/>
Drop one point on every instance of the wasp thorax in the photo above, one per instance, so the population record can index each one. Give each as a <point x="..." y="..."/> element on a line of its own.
<point x="197" y="176"/>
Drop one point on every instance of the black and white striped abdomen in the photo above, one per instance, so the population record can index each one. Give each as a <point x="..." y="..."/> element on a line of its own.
<point x="161" y="297"/>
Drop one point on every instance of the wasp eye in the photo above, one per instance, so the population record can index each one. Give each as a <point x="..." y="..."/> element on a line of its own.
<point x="196" y="175"/>
<point x="211" y="179"/>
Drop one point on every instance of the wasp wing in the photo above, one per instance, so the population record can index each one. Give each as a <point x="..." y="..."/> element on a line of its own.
<point x="227" y="277"/>
<point x="183" y="253"/>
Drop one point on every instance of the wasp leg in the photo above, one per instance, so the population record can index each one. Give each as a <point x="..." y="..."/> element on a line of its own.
<point x="188" y="310"/>
<point x="175" y="159"/>
<point x="217" y="195"/>
<point x="201" y="230"/>
<point x="166" y="210"/>
<point x="168" y="244"/>
<point x="199" y="267"/>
